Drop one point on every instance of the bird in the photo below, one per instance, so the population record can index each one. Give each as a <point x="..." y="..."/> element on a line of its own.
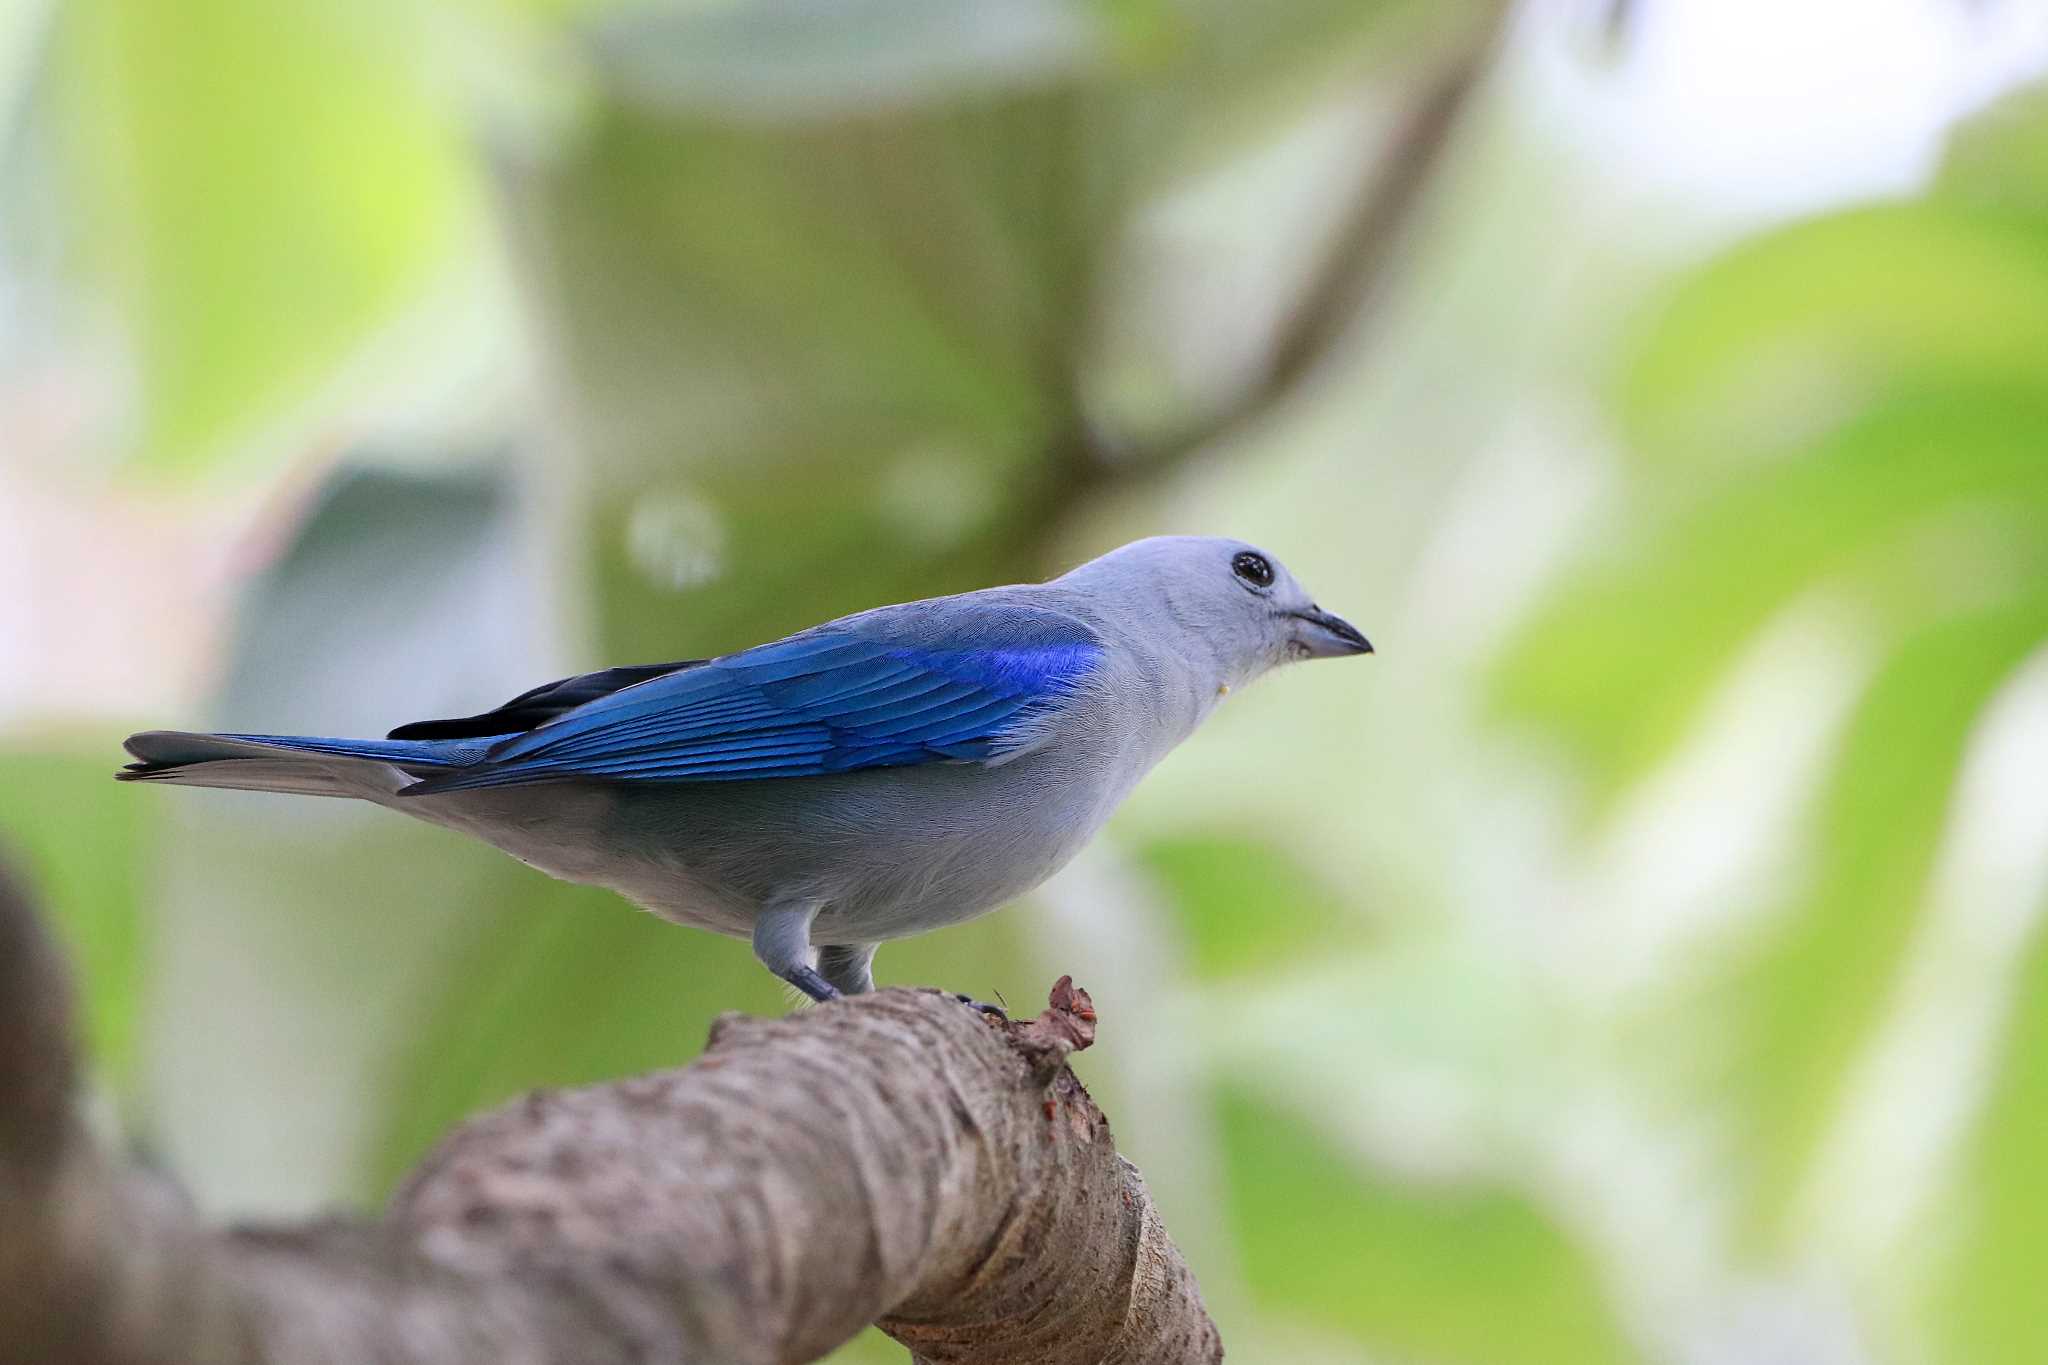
<point x="871" y="778"/>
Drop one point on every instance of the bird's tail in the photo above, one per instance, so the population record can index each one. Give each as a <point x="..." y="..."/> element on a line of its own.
<point x="306" y="765"/>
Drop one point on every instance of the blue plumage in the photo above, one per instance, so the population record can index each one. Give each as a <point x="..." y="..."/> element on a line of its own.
<point x="833" y="700"/>
<point x="407" y="753"/>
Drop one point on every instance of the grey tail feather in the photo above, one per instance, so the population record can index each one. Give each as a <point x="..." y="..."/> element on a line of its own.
<point x="302" y="765"/>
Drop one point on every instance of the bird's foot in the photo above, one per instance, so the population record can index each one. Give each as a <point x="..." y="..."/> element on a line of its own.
<point x="807" y="980"/>
<point x="996" y="1012"/>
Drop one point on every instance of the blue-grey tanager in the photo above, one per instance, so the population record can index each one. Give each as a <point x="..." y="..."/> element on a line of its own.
<point x="886" y="773"/>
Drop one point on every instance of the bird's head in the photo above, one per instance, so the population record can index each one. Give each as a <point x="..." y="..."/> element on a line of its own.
<point x="1235" y="596"/>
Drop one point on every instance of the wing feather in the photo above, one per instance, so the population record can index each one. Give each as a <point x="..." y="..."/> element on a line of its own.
<point x="901" y="686"/>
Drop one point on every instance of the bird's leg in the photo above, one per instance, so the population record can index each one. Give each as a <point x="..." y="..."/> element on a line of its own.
<point x="849" y="966"/>
<point x="782" y="940"/>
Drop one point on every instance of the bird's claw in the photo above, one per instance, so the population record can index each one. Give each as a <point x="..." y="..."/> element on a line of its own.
<point x="994" y="1011"/>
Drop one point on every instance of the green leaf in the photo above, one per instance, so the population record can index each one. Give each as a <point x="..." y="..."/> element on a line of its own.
<point x="261" y="185"/>
<point x="1985" y="1306"/>
<point x="1787" y="331"/>
<point x="1473" y="1274"/>
<point x="82" y="852"/>
<point x="1810" y="999"/>
<point x="1620" y="658"/>
<point x="1217" y="884"/>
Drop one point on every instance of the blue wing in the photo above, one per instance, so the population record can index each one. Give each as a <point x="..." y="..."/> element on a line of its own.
<point x="927" y="683"/>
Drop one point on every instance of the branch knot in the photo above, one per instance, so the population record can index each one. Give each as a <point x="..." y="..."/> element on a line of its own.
<point x="1065" y="1027"/>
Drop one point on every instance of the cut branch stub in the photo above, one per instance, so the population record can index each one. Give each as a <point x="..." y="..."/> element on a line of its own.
<point x="1065" y="1028"/>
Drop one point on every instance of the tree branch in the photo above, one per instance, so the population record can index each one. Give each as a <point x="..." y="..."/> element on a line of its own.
<point x="1345" y="279"/>
<point x="892" y="1158"/>
<point x="1337" y="294"/>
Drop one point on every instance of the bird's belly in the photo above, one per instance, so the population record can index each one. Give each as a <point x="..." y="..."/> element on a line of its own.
<point x="886" y="852"/>
<point x="960" y="857"/>
<point x="574" y="832"/>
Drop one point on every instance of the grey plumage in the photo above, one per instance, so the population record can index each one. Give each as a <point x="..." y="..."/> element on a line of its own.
<point x="885" y="774"/>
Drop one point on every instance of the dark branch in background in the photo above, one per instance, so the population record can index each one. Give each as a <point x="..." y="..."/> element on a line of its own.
<point x="1334" y="296"/>
<point x="1351" y="274"/>
<point x="892" y="1158"/>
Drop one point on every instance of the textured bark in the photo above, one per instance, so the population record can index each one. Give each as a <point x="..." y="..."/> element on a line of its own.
<point x="893" y="1158"/>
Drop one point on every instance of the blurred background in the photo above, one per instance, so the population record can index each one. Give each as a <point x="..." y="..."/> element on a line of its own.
<point x="1638" y="960"/>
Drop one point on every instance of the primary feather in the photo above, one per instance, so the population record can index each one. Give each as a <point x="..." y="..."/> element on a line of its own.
<point x="539" y="705"/>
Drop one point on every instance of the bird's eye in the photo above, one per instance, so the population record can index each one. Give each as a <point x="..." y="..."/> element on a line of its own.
<point x="1253" y="569"/>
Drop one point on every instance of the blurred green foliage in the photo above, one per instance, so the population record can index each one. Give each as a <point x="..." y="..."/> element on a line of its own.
<point x="1814" y="995"/>
<point x="1214" y="881"/>
<point x="1979" y="1308"/>
<point x="1849" y="409"/>
<point x="259" y="188"/>
<point x="88" y="862"/>
<point x="1478" y="1276"/>
<point x="1714" y="557"/>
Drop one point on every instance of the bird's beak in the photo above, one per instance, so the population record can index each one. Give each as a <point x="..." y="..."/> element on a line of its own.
<point x="1328" y="637"/>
